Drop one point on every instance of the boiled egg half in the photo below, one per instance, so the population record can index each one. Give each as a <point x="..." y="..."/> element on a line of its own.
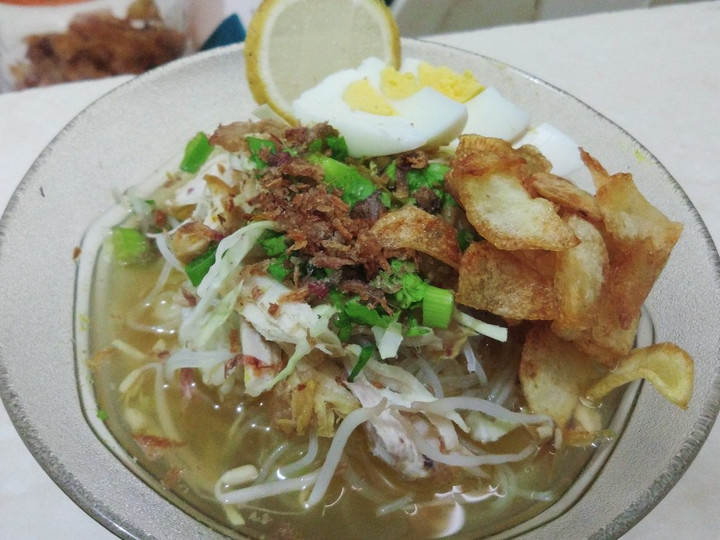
<point x="380" y="110"/>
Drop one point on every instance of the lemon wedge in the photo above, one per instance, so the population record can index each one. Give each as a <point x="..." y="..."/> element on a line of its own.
<point x="292" y="45"/>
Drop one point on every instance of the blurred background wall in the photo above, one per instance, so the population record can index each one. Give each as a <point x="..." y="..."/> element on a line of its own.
<point x="419" y="17"/>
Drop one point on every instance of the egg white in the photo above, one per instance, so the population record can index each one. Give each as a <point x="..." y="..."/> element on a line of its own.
<point x="560" y="149"/>
<point x="427" y="118"/>
<point x="492" y="115"/>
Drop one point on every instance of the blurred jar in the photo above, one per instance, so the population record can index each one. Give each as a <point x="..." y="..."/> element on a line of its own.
<point x="44" y="42"/>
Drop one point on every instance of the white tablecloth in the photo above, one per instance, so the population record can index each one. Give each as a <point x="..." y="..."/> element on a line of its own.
<point x="654" y="72"/>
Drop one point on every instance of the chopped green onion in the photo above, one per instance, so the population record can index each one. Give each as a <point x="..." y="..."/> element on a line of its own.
<point x="365" y="355"/>
<point x="353" y="185"/>
<point x="196" y="153"/>
<point x="102" y="415"/>
<point x="130" y="246"/>
<point x="256" y="146"/>
<point x="200" y="265"/>
<point x="437" y="307"/>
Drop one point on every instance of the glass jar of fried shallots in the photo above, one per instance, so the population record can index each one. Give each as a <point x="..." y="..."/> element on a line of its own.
<point x="44" y="42"/>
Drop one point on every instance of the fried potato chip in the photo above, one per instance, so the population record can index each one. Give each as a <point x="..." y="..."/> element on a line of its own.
<point x="606" y="340"/>
<point x="668" y="367"/>
<point x="639" y="238"/>
<point x="634" y="268"/>
<point x="503" y="212"/>
<point x="565" y="194"/>
<point x="496" y="281"/>
<point x="413" y="228"/>
<point x="535" y="162"/>
<point x="476" y="156"/>
<point x="554" y="374"/>
<point x="488" y="180"/>
<point x="539" y="259"/>
<point x="579" y="277"/>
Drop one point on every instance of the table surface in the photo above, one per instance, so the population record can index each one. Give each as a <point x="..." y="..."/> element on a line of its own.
<point x="655" y="72"/>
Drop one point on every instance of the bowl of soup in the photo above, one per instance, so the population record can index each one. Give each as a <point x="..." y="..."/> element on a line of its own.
<point x="248" y="344"/>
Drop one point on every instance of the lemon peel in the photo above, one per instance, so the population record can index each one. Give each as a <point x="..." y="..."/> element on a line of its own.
<point x="292" y="45"/>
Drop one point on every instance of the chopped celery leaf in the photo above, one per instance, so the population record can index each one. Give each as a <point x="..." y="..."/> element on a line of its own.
<point x="256" y="146"/>
<point x="412" y="291"/>
<point x="338" y="147"/>
<point x="432" y="176"/>
<point x="465" y="238"/>
<point x="365" y="355"/>
<point x="274" y="244"/>
<point x="360" y="313"/>
<point x="200" y="265"/>
<point x="277" y="269"/>
<point x="413" y="328"/>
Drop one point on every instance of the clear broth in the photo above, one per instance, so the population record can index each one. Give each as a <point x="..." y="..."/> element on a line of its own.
<point x="219" y="434"/>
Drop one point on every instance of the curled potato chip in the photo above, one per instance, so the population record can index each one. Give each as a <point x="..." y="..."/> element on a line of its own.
<point x="504" y="213"/>
<point x="639" y="238"/>
<point x="606" y="339"/>
<point x="668" y="367"/>
<point x="477" y="156"/>
<point x="554" y="374"/>
<point x="580" y="276"/>
<point x="487" y="179"/>
<point x="496" y="281"/>
<point x="565" y="194"/>
<point x="413" y="228"/>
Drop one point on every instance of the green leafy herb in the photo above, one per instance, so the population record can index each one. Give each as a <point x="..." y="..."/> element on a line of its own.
<point x="465" y="238"/>
<point x="274" y="244"/>
<point x="412" y="291"/>
<point x="256" y="146"/>
<point x="365" y="355"/>
<point x="200" y="265"/>
<point x="315" y="146"/>
<point x="102" y="415"/>
<point x="338" y="147"/>
<point x="360" y="313"/>
<point x="277" y="269"/>
<point x="391" y="171"/>
<point x="431" y="176"/>
<point x="196" y="153"/>
<point x="413" y="328"/>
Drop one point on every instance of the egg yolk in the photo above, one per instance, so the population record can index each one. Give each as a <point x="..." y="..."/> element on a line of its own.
<point x="361" y="96"/>
<point x="460" y="87"/>
<point x="396" y="85"/>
